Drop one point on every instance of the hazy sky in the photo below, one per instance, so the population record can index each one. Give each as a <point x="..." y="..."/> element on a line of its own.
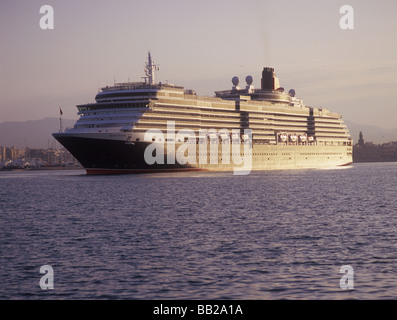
<point x="200" y="45"/>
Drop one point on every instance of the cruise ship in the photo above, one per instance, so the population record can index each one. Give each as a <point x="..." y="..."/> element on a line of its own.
<point x="150" y="126"/>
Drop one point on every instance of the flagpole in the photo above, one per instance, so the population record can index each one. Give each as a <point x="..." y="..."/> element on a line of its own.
<point x="60" y="120"/>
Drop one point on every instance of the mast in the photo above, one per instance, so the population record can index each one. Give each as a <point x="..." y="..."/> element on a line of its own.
<point x="150" y="69"/>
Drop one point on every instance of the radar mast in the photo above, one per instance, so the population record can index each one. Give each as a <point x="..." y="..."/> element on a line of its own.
<point x="150" y="68"/>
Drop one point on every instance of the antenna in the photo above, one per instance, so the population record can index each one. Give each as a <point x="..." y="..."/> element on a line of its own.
<point x="150" y="69"/>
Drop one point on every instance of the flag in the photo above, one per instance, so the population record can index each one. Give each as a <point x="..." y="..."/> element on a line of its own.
<point x="60" y="111"/>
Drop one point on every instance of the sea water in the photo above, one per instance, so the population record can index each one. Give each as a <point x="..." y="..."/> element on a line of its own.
<point x="268" y="235"/>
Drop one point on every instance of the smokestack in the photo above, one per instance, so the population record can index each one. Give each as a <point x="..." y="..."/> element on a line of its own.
<point x="269" y="80"/>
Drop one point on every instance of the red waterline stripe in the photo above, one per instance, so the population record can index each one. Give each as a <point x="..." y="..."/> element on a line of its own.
<point x="131" y="171"/>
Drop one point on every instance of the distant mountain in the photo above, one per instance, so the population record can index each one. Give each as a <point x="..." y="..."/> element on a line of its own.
<point x="371" y="133"/>
<point x="32" y="133"/>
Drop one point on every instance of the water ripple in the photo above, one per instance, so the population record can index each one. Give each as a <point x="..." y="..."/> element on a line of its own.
<point x="269" y="235"/>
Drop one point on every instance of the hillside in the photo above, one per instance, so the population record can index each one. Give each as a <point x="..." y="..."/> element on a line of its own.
<point x="32" y="133"/>
<point x="373" y="134"/>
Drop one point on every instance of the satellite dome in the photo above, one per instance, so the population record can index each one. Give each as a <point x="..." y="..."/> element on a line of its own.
<point x="249" y="80"/>
<point x="292" y="93"/>
<point x="235" y="81"/>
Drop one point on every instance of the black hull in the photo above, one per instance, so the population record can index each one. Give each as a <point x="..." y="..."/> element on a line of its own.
<point x="100" y="156"/>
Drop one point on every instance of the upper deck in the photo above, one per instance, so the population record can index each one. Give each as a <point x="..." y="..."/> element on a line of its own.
<point x="140" y="86"/>
<point x="132" y="90"/>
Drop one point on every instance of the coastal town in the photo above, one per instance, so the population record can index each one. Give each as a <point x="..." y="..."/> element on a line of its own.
<point x="371" y="152"/>
<point x="13" y="158"/>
